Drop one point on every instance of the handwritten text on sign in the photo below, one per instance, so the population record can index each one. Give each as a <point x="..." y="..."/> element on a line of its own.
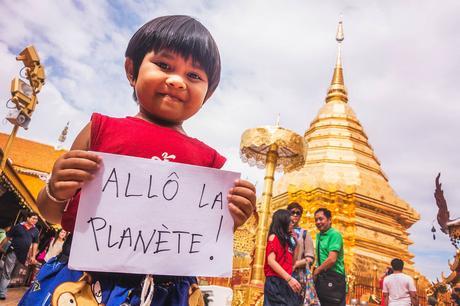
<point x="153" y="217"/>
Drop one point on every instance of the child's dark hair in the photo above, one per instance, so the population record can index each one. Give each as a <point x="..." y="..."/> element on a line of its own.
<point x="183" y="35"/>
<point x="280" y="226"/>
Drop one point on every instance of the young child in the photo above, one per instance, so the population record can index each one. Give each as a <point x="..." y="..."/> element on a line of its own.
<point x="173" y="65"/>
<point x="280" y="287"/>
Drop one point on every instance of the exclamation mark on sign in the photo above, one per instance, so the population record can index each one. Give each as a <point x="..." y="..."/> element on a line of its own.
<point x="218" y="233"/>
<point x="220" y="226"/>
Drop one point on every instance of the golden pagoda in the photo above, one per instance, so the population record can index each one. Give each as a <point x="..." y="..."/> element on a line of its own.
<point x="342" y="173"/>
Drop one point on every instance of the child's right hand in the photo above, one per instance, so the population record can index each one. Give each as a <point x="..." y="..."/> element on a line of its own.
<point x="71" y="171"/>
<point x="295" y="285"/>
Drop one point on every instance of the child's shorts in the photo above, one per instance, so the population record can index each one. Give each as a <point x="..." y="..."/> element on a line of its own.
<point x="57" y="285"/>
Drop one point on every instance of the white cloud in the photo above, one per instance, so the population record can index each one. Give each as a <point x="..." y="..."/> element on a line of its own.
<point x="401" y="68"/>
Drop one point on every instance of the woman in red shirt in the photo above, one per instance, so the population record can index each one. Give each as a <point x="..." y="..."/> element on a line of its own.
<point x="280" y="288"/>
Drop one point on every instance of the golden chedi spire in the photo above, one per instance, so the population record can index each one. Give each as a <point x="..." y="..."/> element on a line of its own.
<point x="339" y="153"/>
<point x="337" y="90"/>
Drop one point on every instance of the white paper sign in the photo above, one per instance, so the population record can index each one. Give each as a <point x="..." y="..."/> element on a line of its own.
<point x="154" y="217"/>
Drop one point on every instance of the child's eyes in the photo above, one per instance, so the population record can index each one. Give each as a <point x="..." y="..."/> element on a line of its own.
<point x="194" y="76"/>
<point x="162" y="65"/>
<point x="167" y="67"/>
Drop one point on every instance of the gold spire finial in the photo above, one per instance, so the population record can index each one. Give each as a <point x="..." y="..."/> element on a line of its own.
<point x="337" y="90"/>
<point x="278" y="120"/>
<point x="339" y="37"/>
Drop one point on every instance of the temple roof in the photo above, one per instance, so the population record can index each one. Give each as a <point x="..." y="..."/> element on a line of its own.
<point x="339" y="156"/>
<point x="32" y="161"/>
<point x="31" y="154"/>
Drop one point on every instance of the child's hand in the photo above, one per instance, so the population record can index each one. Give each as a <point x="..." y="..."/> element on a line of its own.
<point x="242" y="201"/>
<point x="70" y="171"/>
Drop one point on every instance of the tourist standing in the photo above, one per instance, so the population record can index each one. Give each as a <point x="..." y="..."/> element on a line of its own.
<point x="303" y="257"/>
<point x="23" y="236"/>
<point x="281" y="289"/>
<point x="399" y="288"/>
<point x="387" y="272"/>
<point x="55" y="246"/>
<point x="330" y="271"/>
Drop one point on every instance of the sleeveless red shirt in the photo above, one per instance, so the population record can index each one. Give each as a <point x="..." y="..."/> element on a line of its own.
<point x="283" y="256"/>
<point x="136" y="137"/>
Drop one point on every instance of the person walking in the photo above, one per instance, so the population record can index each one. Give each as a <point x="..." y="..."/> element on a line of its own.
<point x="399" y="288"/>
<point x="330" y="271"/>
<point x="23" y="237"/>
<point x="280" y="289"/>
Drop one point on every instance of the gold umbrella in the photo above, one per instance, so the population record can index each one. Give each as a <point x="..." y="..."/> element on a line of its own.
<point x="269" y="147"/>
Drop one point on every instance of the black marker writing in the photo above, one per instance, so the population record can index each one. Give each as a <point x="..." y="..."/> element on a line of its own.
<point x="145" y="240"/>
<point x="91" y="220"/>
<point x="110" y="180"/>
<point x="127" y="187"/>
<point x="218" y="199"/>
<point x="173" y="186"/>
<point x="201" y="197"/>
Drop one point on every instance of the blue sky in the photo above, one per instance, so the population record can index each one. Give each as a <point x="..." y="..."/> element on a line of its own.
<point x="401" y="70"/>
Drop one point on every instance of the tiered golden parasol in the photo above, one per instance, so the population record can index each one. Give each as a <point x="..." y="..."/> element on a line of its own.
<point x="269" y="147"/>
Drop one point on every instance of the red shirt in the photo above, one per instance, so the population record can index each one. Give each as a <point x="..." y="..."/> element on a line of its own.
<point x="283" y="257"/>
<point x="136" y="137"/>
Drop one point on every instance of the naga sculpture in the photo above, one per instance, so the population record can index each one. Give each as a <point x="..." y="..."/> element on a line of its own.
<point x="439" y="291"/>
<point x="448" y="226"/>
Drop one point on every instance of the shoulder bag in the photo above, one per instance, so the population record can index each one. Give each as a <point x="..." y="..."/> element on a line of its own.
<point x="330" y="285"/>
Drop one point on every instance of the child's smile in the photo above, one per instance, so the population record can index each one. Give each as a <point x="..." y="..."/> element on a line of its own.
<point x="170" y="97"/>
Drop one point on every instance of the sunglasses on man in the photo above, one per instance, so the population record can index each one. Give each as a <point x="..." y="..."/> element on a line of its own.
<point x="295" y="213"/>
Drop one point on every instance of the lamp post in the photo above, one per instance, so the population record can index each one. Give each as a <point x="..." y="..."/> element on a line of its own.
<point x="272" y="148"/>
<point x="24" y="96"/>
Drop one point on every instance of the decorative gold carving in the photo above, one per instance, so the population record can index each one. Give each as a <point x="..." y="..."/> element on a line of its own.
<point x="454" y="277"/>
<point x="244" y="237"/>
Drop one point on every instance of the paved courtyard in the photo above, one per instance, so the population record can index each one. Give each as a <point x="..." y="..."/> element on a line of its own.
<point x="14" y="295"/>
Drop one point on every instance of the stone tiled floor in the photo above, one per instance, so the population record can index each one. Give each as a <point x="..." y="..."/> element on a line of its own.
<point x="14" y="295"/>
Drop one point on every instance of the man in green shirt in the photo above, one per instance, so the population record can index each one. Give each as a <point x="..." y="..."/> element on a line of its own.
<point x="330" y="266"/>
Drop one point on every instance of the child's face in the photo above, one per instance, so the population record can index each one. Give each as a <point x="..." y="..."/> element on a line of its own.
<point x="169" y="87"/>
